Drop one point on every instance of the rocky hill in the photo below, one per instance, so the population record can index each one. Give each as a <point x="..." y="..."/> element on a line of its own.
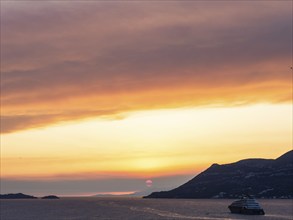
<point x="263" y="178"/>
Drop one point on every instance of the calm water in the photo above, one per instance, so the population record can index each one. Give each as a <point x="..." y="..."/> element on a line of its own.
<point x="135" y="208"/>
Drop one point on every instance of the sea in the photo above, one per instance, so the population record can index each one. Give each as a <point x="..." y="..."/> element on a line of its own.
<point x="136" y="208"/>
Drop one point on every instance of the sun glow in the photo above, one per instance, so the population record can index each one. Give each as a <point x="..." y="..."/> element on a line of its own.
<point x="149" y="142"/>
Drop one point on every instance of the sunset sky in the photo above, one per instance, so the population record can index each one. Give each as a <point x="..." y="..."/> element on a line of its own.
<point x="102" y="96"/>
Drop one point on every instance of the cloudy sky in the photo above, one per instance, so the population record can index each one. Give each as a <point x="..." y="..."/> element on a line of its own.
<point x="95" y="91"/>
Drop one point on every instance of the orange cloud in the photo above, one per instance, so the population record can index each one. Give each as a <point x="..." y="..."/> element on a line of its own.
<point x="63" y="62"/>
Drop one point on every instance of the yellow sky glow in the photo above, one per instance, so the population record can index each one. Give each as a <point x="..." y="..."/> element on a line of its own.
<point x="148" y="143"/>
<point x="93" y="92"/>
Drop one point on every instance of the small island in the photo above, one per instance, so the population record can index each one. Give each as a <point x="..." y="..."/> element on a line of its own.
<point x="16" y="196"/>
<point x="50" y="197"/>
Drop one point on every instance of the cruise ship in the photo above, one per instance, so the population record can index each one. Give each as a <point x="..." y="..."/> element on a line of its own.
<point x="246" y="205"/>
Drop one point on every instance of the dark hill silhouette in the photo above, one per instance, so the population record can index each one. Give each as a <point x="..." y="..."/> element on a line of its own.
<point x="285" y="159"/>
<point x="50" y="197"/>
<point x="264" y="178"/>
<point x="16" y="196"/>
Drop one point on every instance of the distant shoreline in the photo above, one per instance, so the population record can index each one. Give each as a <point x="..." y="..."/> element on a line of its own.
<point x="24" y="196"/>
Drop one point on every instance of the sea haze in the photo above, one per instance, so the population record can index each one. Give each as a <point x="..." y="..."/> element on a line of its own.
<point x="136" y="208"/>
